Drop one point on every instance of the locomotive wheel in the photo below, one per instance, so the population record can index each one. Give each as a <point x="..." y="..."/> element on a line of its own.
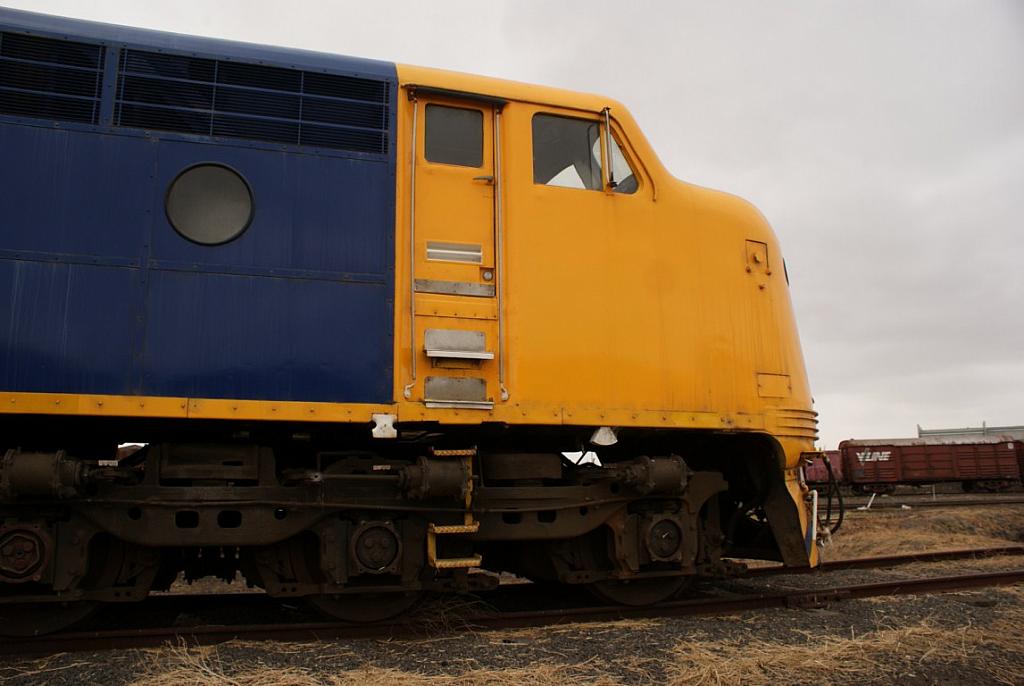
<point x="638" y="592"/>
<point x="110" y="560"/>
<point x="364" y="607"/>
<point x="35" y="619"/>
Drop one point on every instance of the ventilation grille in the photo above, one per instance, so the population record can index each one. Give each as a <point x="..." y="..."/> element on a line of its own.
<point x="218" y="98"/>
<point x="50" y="79"/>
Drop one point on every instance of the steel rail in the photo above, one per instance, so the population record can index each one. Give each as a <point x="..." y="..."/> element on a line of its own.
<point x="329" y="630"/>
<point x="889" y="561"/>
<point x="897" y="503"/>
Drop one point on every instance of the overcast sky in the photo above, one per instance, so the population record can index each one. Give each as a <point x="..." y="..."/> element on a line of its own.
<point x="883" y="140"/>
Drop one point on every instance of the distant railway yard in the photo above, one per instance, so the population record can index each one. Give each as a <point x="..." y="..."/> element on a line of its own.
<point x="901" y="612"/>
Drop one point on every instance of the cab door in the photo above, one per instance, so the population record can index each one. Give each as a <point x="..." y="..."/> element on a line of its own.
<point x="455" y="199"/>
<point x="455" y="283"/>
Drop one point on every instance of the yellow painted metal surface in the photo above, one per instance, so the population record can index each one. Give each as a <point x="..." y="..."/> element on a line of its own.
<point x="183" y="408"/>
<point x="666" y="307"/>
<point x="92" y="405"/>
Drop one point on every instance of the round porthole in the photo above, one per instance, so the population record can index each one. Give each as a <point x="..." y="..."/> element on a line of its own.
<point x="209" y="204"/>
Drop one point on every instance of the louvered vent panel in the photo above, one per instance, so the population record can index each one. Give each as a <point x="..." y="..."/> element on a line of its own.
<point x="50" y="79"/>
<point x="217" y="98"/>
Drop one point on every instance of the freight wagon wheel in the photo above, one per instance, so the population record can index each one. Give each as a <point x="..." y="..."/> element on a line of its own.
<point x="364" y="607"/>
<point x="638" y="592"/>
<point x="35" y="619"/>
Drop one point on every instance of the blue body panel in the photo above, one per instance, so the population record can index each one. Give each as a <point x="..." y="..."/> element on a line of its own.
<point x="99" y="294"/>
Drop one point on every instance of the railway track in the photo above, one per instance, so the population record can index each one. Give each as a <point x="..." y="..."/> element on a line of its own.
<point x="271" y="625"/>
<point x="897" y="502"/>
<point x="882" y="561"/>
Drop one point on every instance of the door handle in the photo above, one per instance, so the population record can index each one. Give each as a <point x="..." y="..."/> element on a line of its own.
<point x="486" y="179"/>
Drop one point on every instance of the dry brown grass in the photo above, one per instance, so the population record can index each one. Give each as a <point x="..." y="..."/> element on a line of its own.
<point x="538" y="633"/>
<point x="41" y="669"/>
<point x="190" y="666"/>
<point x="908" y="531"/>
<point x="885" y="655"/>
<point x="539" y="675"/>
<point x="881" y="656"/>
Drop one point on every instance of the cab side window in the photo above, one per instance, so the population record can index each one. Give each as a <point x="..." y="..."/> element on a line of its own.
<point x="454" y="135"/>
<point x="563" y="152"/>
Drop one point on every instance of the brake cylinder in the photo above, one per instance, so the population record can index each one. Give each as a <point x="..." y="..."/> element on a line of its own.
<point x="434" y="478"/>
<point x="39" y="475"/>
<point x="656" y="474"/>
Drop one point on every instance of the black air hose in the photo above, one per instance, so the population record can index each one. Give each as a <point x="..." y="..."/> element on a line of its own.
<point x="833" y="488"/>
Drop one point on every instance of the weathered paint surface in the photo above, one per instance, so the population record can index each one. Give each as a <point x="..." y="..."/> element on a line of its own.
<point x="918" y="461"/>
<point x="630" y="310"/>
<point x="105" y="297"/>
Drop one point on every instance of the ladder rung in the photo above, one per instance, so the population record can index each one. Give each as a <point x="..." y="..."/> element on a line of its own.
<point x="468" y="452"/>
<point x="457" y="562"/>
<point x="455" y="528"/>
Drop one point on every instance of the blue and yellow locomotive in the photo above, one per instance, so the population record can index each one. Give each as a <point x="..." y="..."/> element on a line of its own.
<point x="353" y="315"/>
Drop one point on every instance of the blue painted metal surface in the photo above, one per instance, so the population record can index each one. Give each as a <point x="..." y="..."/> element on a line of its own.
<point x="99" y="294"/>
<point x="110" y="34"/>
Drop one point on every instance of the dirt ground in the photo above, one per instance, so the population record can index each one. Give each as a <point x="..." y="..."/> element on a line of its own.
<point x="914" y="530"/>
<point x="972" y="637"/>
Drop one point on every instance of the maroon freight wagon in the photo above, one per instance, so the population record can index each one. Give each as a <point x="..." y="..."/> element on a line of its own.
<point x="880" y="465"/>
<point x="816" y="473"/>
